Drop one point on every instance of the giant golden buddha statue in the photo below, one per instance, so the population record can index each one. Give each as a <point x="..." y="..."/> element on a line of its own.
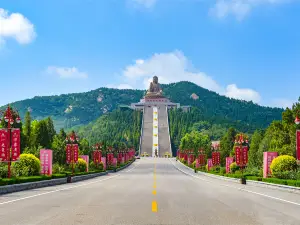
<point x="154" y="90"/>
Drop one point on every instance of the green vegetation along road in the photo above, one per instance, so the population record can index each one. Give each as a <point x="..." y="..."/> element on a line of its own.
<point x="151" y="191"/>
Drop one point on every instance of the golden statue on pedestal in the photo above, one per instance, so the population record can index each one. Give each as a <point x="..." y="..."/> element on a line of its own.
<point x="154" y="90"/>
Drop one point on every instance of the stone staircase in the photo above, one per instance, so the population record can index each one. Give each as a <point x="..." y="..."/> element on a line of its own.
<point x="163" y="131"/>
<point x="146" y="143"/>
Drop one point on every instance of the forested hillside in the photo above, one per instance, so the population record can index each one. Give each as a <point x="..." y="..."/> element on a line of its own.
<point x="119" y="126"/>
<point x="71" y="110"/>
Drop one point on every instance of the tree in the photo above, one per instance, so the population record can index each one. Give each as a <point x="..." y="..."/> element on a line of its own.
<point x="194" y="141"/>
<point x="254" y="153"/>
<point x="42" y="135"/>
<point x="59" y="153"/>
<point x="227" y="143"/>
<point x="84" y="147"/>
<point x="62" y="134"/>
<point x="50" y="128"/>
<point x="27" y="128"/>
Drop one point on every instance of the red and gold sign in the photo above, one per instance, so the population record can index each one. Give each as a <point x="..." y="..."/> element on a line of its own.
<point x="245" y="155"/>
<point x="68" y="153"/>
<point x="4" y="150"/>
<point x="298" y="145"/>
<point x="15" y="144"/>
<point x="238" y="154"/>
<point x="75" y="153"/>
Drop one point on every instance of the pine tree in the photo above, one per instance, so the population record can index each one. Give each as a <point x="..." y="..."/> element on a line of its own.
<point x="50" y="128"/>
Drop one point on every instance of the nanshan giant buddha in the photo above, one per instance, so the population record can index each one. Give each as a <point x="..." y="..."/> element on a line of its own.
<point x="154" y="89"/>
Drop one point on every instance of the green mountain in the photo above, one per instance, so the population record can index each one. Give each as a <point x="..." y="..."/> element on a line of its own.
<point x="69" y="110"/>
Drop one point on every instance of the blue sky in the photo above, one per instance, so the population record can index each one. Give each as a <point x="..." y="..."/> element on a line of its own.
<point x="246" y="49"/>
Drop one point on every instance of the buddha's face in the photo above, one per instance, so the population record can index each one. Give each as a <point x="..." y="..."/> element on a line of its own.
<point x="155" y="79"/>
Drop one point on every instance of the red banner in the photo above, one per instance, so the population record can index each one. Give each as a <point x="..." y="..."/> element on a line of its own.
<point x="201" y="158"/>
<point x="15" y="144"/>
<point x="46" y="161"/>
<point x="75" y="151"/>
<point x="216" y="158"/>
<point x="97" y="157"/>
<point x="268" y="158"/>
<point x="213" y="156"/>
<point x="229" y="160"/>
<point x="68" y="153"/>
<point x="245" y="155"/>
<point x="4" y="150"/>
<point x="298" y="145"/>
<point x="238" y="155"/>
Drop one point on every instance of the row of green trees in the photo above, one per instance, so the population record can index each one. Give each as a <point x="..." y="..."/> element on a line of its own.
<point x="279" y="136"/>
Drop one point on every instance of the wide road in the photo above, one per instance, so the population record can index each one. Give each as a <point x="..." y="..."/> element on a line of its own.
<point x="151" y="191"/>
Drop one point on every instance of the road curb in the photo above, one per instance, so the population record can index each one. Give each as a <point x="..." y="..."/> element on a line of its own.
<point x="250" y="182"/>
<point x="121" y="168"/>
<point x="45" y="183"/>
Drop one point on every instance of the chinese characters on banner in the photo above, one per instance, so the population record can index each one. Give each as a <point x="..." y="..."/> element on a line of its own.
<point x="298" y="145"/>
<point x="68" y="153"/>
<point x="86" y="159"/>
<point x="103" y="160"/>
<point x="238" y="154"/>
<point x="241" y="155"/>
<point x="268" y="158"/>
<point x="46" y="161"/>
<point x="245" y="155"/>
<point x="209" y="164"/>
<point x="201" y="159"/>
<point x="229" y="160"/>
<point x="4" y="145"/>
<point x="75" y="152"/>
<point x="15" y="144"/>
<point x="97" y="157"/>
<point x="216" y="158"/>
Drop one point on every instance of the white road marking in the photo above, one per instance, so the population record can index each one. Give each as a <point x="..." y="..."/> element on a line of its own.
<point x="241" y="189"/>
<point x="67" y="188"/>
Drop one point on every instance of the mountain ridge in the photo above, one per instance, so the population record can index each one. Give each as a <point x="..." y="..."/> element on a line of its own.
<point x="75" y="109"/>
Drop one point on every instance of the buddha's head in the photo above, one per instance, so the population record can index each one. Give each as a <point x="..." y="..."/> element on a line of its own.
<point x="155" y="79"/>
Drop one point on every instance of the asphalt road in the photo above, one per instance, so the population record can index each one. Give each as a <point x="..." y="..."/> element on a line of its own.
<point x="151" y="191"/>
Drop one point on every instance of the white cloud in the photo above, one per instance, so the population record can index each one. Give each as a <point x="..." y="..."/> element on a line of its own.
<point x="233" y="91"/>
<point x="66" y="72"/>
<point x="144" y="3"/>
<point x="15" y="26"/>
<point x="120" y="86"/>
<point x="239" y="8"/>
<point x="175" y="67"/>
<point x="282" y="103"/>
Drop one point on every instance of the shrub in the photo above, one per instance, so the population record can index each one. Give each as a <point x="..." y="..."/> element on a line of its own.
<point x="282" y="164"/>
<point x="234" y="167"/>
<point x="29" y="165"/>
<point x="222" y="170"/>
<point x="290" y="175"/>
<point x="81" y="165"/>
<point x="3" y="170"/>
<point x="58" y="168"/>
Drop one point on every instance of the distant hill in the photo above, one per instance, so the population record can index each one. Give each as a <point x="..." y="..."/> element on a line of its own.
<point x="69" y="110"/>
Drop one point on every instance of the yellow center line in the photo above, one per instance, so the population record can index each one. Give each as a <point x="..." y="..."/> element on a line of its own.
<point x="154" y="206"/>
<point x="154" y="192"/>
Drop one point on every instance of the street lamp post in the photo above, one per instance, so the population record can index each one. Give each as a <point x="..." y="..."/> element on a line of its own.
<point x="72" y="140"/>
<point x="297" y="122"/>
<point x="10" y="117"/>
<point x="241" y="154"/>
